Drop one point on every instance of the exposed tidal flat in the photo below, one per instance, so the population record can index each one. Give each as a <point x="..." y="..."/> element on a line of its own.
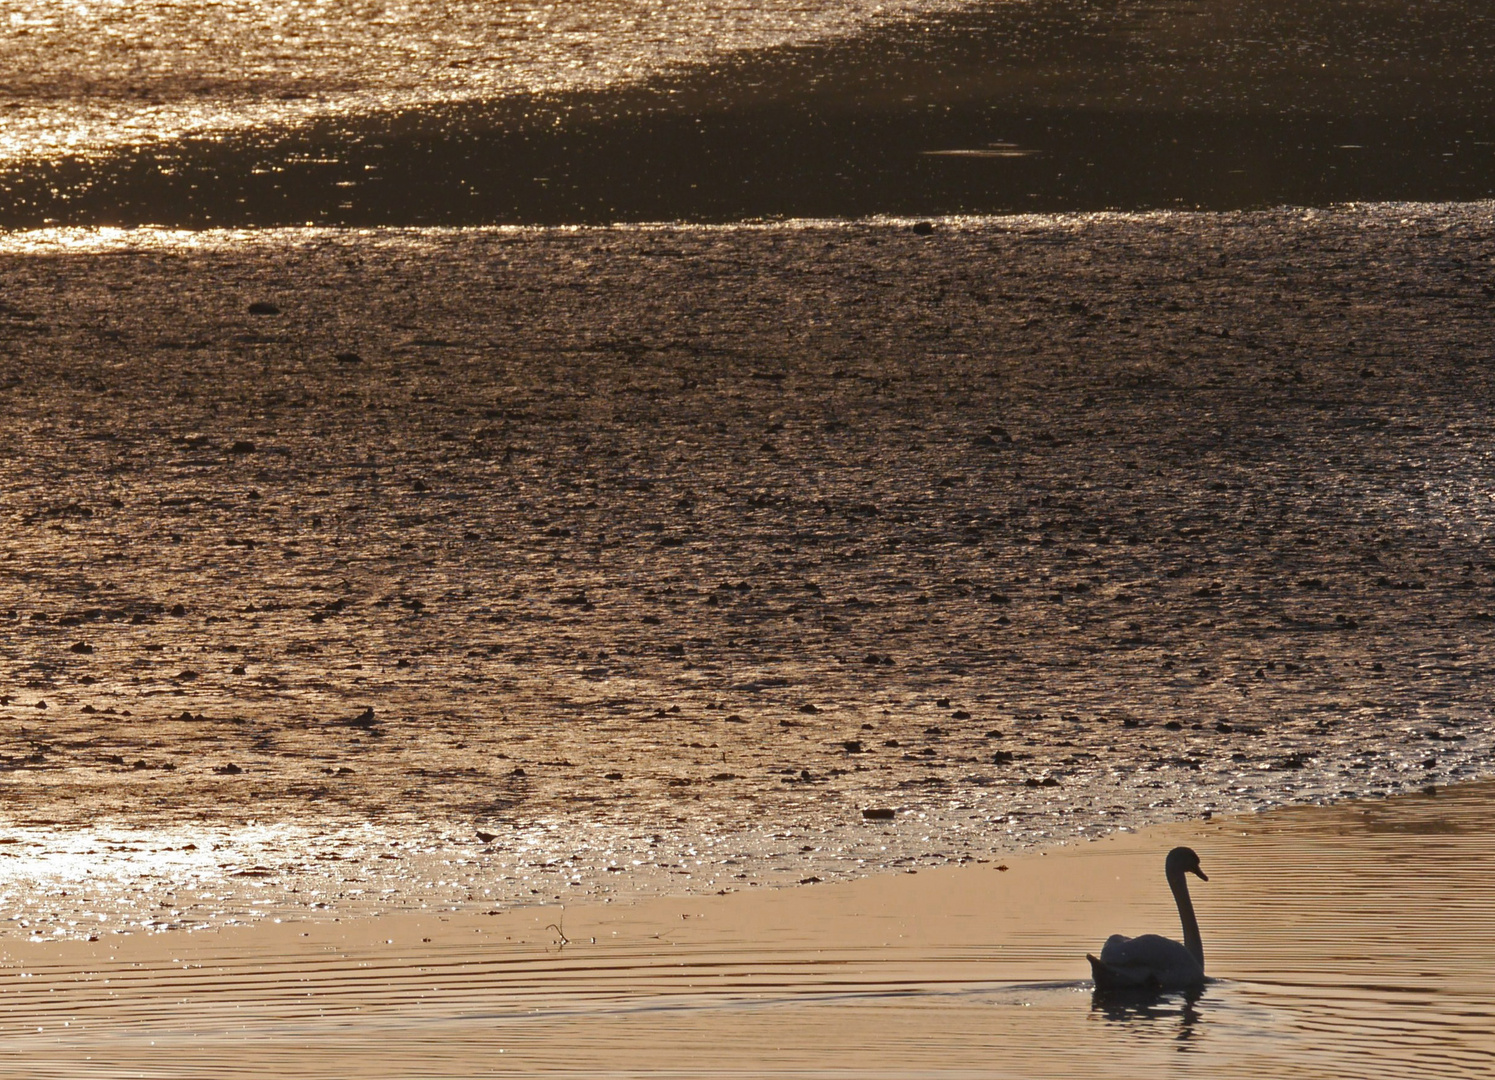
<point x="662" y="554"/>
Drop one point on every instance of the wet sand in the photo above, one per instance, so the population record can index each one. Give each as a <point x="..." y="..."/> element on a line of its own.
<point x="661" y="555"/>
<point x="1346" y="941"/>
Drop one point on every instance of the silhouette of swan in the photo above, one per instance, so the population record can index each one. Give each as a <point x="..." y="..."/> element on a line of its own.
<point x="1153" y="962"/>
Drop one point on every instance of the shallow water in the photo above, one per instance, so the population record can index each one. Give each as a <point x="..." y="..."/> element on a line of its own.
<point x="432" y="113"/>
<point x="88" y="78"/>
<point x="1346" y="941"/>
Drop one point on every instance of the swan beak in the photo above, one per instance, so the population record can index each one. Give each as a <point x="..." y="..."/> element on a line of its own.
<point x="1200" y="872"/>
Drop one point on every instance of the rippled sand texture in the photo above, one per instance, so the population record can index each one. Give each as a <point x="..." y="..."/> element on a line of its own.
<point x="1347" y="941"/>
<point x="654" y="548"/>
<point x="88" y="78"/>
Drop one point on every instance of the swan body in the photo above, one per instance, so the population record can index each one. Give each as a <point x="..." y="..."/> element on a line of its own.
<point x="1153" y="962"/>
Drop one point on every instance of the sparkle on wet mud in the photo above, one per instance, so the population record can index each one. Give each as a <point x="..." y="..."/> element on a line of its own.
<point x="661" y="554"/>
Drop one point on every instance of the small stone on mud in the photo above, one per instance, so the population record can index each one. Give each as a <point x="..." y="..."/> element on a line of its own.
<point x="878" y="814"/>
<point x="263" y="307"/>
<point x="228" y="770"/>
<point x="80" y="647"/>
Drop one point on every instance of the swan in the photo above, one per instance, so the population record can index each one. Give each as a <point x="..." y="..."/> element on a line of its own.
<point x="1152" y="961"/>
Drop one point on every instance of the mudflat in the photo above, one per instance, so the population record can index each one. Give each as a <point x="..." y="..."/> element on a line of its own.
<point x="670" y="553"/>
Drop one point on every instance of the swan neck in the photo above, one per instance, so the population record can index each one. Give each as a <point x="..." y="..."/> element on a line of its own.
<point x="1192" y="940"/>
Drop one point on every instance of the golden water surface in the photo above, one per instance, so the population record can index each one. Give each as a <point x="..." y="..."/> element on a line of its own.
<point x="1345" y="941"/>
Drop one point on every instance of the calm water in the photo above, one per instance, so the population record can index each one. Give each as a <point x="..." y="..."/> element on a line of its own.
<point x="89" y="78"/>
<point x="1350" y="941"/>
<point x="360" y="113"/>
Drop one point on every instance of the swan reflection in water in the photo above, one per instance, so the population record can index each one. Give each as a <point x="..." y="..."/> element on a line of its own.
<point x="1152" y="1010"/>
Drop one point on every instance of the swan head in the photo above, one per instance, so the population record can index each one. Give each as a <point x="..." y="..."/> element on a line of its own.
<point x="1183" y="860"/>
